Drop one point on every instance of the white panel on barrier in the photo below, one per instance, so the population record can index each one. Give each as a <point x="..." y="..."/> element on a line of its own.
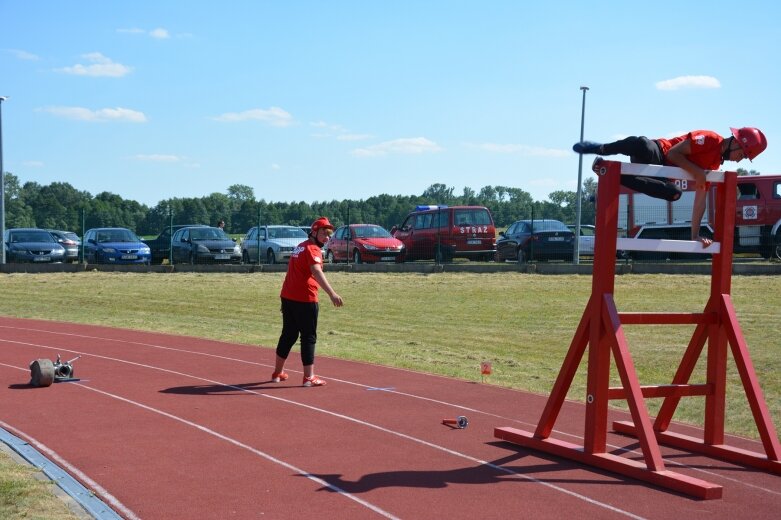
<point x="667" y="172"/>
<point x="667" y="246"/>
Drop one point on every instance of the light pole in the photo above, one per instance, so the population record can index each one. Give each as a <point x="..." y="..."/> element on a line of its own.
<point x="2" y="184"/>
<point x="576" y="254"/>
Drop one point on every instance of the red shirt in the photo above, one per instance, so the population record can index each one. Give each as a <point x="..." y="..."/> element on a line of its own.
<point x="705" y="148"/>
<point x="299" y="284"/>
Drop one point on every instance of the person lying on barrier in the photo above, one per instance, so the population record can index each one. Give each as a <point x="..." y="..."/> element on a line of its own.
<point x="697" y="152"/>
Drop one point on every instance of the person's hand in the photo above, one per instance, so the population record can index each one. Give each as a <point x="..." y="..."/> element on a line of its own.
<point x="705" y="241"/>
<point x="336" y="300"/>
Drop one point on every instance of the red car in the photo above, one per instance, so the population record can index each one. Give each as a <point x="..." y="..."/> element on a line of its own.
<point x="363" y="243"/>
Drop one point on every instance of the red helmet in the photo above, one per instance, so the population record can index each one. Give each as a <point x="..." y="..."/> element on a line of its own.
<point x="751" y="140"/>
<point x="322" y="222"/>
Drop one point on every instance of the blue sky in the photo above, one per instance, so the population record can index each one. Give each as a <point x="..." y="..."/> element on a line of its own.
<point x="322" y="100"/>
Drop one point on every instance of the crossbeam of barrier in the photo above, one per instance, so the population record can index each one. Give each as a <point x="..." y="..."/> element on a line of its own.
<point x="662" y="172"/>
<point x="667" y="246"/>
<point x="600" y="330"/>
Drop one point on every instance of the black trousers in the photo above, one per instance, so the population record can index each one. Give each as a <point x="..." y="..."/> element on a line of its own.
<point x="298" y="319"/>
<point x="642" y="150"/>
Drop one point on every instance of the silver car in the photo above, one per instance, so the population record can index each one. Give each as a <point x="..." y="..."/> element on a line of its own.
<point x="586" y="246"/>
<point x="270" y="244"/>
<point x="70" y="241"/>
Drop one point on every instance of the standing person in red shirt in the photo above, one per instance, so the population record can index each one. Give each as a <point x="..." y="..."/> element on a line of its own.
<point x="300" y="303"/>
<point x="696" y="152"/>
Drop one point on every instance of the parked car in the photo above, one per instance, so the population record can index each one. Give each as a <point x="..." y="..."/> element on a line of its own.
<point x="115" y="246"/>
<point x="31" y="245"/>
<point x="587" y="234"/>
<point x="161" y="244"/>
<point x="527" y="240"/>
<point x="70" y="241"/>
<point x="275" y="243"/>
<point x="675" y="231"/>
<point x="446" y="232"/>
<point x="363" y="243"/>
<point x="204" y="245"/>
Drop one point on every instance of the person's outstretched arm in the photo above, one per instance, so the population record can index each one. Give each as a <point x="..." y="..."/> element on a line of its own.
<point x="317" y="272"/>
<point x="678" y="155"/>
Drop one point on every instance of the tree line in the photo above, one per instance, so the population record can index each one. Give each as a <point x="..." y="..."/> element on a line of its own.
<point x="61" y="206"/>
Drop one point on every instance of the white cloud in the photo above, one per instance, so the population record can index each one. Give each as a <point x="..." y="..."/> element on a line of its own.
<point x="275" y="166"/>
<point x="159" y="33"/>
<point x="102" y="115"/>
<point x="23" y="55"/>
<point x="405" y="146"/>
<point x="274" y="116"/>
<point x="353" y="137"/>
<point x="100" y="66"/>
<point x="33" y="164"/>
<point x="522" y="149"/>
<point x="157" y="157"/>
<point x="688" y="82"/>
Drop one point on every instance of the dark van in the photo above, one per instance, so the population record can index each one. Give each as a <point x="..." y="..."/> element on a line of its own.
<point x="442" y="233"/>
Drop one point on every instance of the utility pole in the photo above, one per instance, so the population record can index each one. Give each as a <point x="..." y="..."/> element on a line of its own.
<point x="576" y="254"/>
<point x="2" y="185"/>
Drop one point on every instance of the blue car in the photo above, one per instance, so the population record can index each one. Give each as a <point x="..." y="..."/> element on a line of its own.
<point x="32" y="245"/>
<point x="115" y="246"/>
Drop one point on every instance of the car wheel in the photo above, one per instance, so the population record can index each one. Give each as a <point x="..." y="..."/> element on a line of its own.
<point x="521" y="256"/>
<point x="356" y="257"/>
<point x="270" y="257"/>
<point x="330" y="257"/>
<point x="777" y="248"/>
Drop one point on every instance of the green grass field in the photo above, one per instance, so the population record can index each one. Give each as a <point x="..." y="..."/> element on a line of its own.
<point x="444" y="323"/>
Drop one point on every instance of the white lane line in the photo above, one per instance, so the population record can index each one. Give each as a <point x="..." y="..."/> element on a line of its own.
<point x="204" y="429"/>
<point x="389" y="390"/>
<point x="413" y="396"/>
<point x="244" y="361"/>
<point x="53" y="455"/>
<point x="347" y="418"/>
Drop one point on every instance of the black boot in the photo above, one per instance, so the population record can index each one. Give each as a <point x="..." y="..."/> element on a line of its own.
<point x="587" y="147"/>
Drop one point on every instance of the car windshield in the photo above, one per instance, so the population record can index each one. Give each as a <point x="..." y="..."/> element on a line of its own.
<point x="291" y="232"/>
<point x="117" y="235"/>
<point x="208" y="234"/>
<point x="31" y="236"/>
<point x="371" y="232"/>
<point x="549" y="225"/>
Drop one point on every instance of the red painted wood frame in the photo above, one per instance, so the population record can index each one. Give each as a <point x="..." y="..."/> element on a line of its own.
<point x="601" y="328"/>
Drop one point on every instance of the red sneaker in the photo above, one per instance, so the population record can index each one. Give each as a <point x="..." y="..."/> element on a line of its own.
<point x="276" y="377"/>
<point x="314" y="381"/>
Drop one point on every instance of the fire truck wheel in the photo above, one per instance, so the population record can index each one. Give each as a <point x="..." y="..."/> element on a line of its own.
<point x="777" y="248"/>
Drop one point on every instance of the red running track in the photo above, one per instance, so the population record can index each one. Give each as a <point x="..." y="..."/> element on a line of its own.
<point x="173" y="427"/>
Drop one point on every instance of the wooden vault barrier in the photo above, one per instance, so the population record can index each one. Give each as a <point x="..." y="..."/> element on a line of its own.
<point x="601" y="328"/>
